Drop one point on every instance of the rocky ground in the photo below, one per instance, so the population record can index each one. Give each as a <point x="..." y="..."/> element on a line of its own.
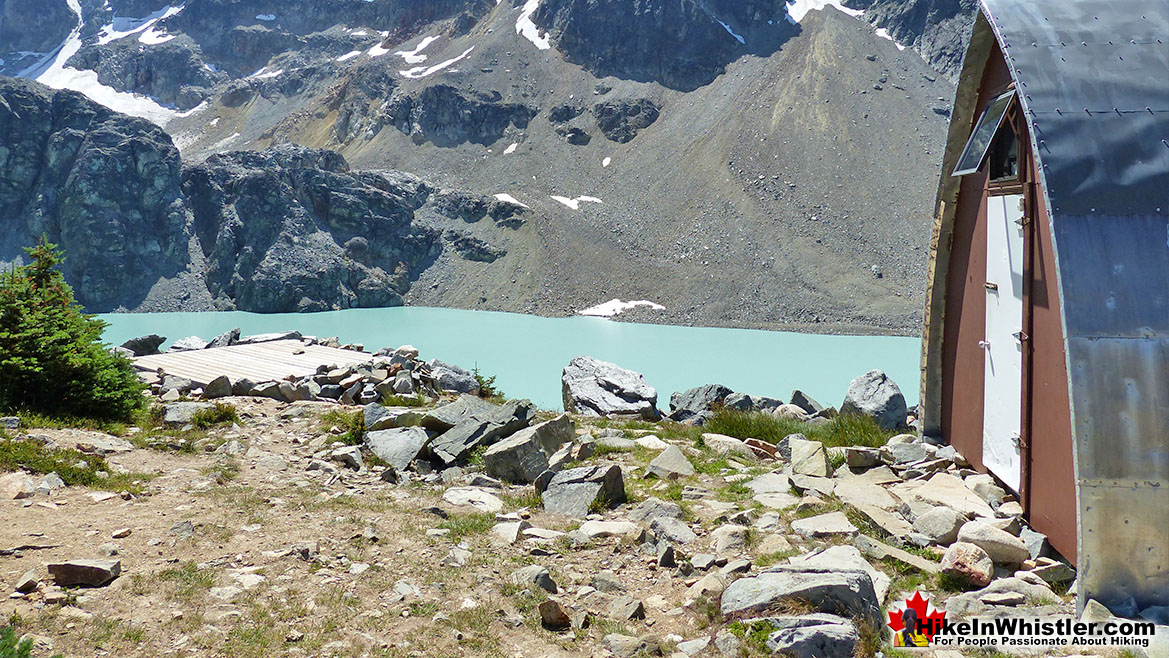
<point x="250" y="526"/>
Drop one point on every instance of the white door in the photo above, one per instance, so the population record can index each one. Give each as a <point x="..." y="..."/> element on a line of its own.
<point x="1003" y="345"/>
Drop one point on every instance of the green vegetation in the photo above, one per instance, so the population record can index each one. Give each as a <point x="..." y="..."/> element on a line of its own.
<point x="467" y="524"/>
<point x="487" y="389"/>
<point x="351" y="423"/>
<point x="845" y="430"/>
<point x="220" y="414"/>
<point x="73" y="467"/>
<point x="391" y="400"/>
<point x="52" y="360"/>
<point x="11" y="647"/>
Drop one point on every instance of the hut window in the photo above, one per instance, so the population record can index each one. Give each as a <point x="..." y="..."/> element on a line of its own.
<point x="984" y="135"/>
<point x="1003" y="162"/>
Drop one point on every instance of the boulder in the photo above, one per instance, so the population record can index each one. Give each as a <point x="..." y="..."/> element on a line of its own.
<point x="220" y="387"/>
<point x="654" y="508"/>
<point x="671" y="464"/>
<point x="596" y="388"/>
<point x="969" y="563"/>
<point x="441" y="419"/>
<point x="843" y="558"/>
<point x="727" y="445"/>
<point x="873" y="394"/>
<point x="378" y="417"/>
<point x="450" y="377"/>
<point x="824" y="525"/>
<point x="188" y="344"/>
<point x="946" y="490"/>
<point x="534" y="574"/>
<point x="806" y="402"/>
<point x="553" y="616"/>
<point x="603" y="529"/>
<point x="397" y="447"/>
<point x="144" y="345"/>
<point x="1000" y="545"/>
<point x="729" y="539"/>
<point x="790" y="412"/>
<point x="225" y="339"/>
<point x="687" y="404"/>
<point x="87" y="573"/>
<point x="574" y="491"/>
<point x="770" y="483"/>
<point x="940" y="525"/>
<point x="483" y="428"/>
<point x="177" y="414"/>
<point x="175" y="383"/>
<point x="523" y="456"/>
<point x="859" y="457"/>
<point x="848" y="593"/>
<point x="269" y="337"/>
<point x="14" y="486"/>
<point x="673" y="530"/>
<point x="480" y="499"/>
<point x="812" y="636"/>
<point x="809" y="457"/>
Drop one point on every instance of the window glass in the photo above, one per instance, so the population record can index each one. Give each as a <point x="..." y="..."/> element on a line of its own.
<point x="984" y="131"/>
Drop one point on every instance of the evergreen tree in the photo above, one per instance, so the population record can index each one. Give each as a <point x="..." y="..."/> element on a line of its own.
<point x="52" y="360"/>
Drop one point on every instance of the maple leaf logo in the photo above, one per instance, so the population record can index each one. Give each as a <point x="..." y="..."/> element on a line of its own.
<point x="929" y="619"/>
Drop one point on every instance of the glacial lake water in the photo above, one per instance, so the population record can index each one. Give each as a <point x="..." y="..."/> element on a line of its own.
<point x="526" y="353"/>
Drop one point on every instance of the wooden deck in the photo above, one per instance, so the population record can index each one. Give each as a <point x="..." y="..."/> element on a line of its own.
<point x="259" y="362"/>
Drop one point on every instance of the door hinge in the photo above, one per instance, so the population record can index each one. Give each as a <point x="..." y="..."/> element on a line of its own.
<point x="1021" y="335"/>
<point x="991" y="286"/>
<point x="1018" y="441"/>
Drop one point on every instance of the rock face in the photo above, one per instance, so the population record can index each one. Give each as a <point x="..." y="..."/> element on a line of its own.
<point x="621" y="120"/>
<point x="937" y="29"/>
<point x="598" y="388"/>
<point x="574" y="491"/>
<point x="682" y="45"/>
<point x="34" y="25"/>
<point x="873" y="394"/>
<point x="103" y="186"/>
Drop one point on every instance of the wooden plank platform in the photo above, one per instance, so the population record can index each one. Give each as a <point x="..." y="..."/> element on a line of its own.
<point x="259" y="362"/>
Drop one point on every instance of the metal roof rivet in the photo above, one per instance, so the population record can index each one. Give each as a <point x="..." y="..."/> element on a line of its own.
<point x="1083" y="43"/>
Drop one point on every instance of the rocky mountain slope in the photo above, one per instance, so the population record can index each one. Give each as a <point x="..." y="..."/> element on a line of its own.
<point x="729" y="161"/>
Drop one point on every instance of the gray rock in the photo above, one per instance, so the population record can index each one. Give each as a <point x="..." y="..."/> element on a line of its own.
<point x="350" y="456"/>
<point x="671" y="464"/>
<point x="10" y="423"/>
<point x="177" y="414"/>
<point x="873" y="394"/>
<point x="574" y="491"/>
<point x="624" y="608"/>
<point x="220" y="387"/>
<point x="940" y="525"/>
<point x="847" y="593"/>
<point x="844" y="558"/>
<point x="225" y="339"/>
<point x="1036" y="542"/>
<point x="860" y="458"/>
<point x="480" y="499"/>
<point x="597" y="388"/>
<point x="397" y="447"/>
<point x="188" y="344"/>
<point x="673" y="530"/>
<point x="87" y="573"/>
<point x="441" y="419"/>
<point x="903" y="453"/>
<point x="809" y="458"/>
<point x="450" y="377"/>
<point x="144" y="345"/>
<point x="523" y="456"/>
<point x="28" y="582"/>
<point x="175" y="383"/>
<point x="1000" y="545"/>
<point x="553" y="616"/>
<point x="805" y="402"/>
<point x="269" y="337"/>
<point x="378" y="417"/>
<point x="534" y="574"/>
<point x="654" y="508"/>
<point x="684" y="405"/>
<point x="242" y="386"/>
<point x="824" y="525"/>
<point x="812" y="636"/>
<point x="482" y="428"/>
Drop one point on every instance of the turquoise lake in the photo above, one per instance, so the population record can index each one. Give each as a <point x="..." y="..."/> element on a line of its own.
<point x="526" y="353"/>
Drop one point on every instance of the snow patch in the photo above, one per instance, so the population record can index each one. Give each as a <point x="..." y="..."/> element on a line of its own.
<point x="884" y="34"/>
<point x="265" y="17"/>
<point x="349" y="55"/>
<point x="224" y="142"/>
<point x="527" y="29"/>
<point x="510" y="149"/>
<point x="120" y="27"/>
<point x="378" y="51"/>
<point x="422" y="71"/>
<point x="510" y="199"/>
<point x="615" y="307"/>
<point x="52" y="71"/>
<point x="413" y="56"/>
<point x="797" y="9"/>
<point x="575" y="203"/>
<point x="264" y="73"/>
<point x="214" y="122"/>
<point x="731" y="32"/>
<point x="153" y="36"/>
<point x="606" y="162"/>
<point x="359" y="33"/>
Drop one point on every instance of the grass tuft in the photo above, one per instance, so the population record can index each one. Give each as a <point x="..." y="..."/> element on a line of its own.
<point x="74" y="467"/>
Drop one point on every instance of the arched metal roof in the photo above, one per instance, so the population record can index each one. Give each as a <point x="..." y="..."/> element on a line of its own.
<point x="1094" y="82"/>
